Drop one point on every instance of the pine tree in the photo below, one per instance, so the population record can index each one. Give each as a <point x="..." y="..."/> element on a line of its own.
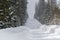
<point x="7" y="9"/>
<point x="12" y="13"/>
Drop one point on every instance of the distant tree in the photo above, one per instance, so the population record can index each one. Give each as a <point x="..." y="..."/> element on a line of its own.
<point x="44" y="10"/>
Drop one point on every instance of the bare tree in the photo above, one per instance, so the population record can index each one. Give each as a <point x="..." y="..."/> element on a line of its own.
<point x="44" y="11"/>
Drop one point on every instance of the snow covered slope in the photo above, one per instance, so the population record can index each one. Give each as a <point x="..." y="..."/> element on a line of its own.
<point x="18" y="33"/>
<point x="25" y="33"/>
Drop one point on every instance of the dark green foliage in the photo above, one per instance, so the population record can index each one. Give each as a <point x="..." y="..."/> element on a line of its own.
<point x="12" y="13"/>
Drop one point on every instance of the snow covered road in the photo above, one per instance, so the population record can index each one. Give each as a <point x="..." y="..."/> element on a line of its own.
<point x="32" y="23"/>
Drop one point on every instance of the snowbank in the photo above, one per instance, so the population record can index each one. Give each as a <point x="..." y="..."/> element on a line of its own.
<point x="18" y="33"/>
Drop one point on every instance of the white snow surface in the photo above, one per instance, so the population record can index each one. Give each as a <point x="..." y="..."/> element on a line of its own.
<point x="18" y="33"/>
<point x="25" y="33"/>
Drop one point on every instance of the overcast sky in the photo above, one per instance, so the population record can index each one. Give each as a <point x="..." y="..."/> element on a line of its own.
<point x="31" y="7"/>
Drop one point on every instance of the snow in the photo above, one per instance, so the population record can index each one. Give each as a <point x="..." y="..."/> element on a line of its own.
<point x="32" y="30"/>
<point x="25" y="33"/>
<point x="31" y="21"/>
<point x="18" y="33"/>
<point x="37" y="30"/>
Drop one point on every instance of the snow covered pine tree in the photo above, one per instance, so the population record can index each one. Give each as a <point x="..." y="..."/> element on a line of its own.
<point x="12" y="13"/>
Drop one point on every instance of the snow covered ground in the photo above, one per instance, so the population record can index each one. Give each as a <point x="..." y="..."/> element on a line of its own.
<point x="33" y="30"/>
<point x="25" y="33"/>
<point x="18" y="33"/>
